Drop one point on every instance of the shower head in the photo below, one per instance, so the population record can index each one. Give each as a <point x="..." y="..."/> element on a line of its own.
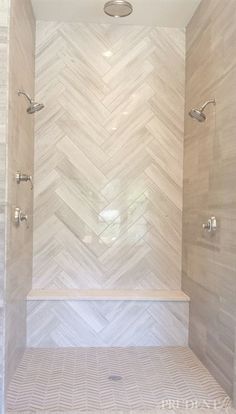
<point x="118" y="8"/>
<point x="33" y="106"/>
<point x="198" y="113"/>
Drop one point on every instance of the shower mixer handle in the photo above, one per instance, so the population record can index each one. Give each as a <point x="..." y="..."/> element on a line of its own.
<point x="20" y="217"/>
<point x="210" y="225"/>
<point x="24" y="177"/>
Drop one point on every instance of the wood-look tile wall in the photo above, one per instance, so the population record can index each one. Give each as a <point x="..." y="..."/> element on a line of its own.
<point x="107" y="323"/>
<point x="4" y="23"/>
<point x="108" y="157"/>
<point x="209" y="260"/>
<point x="108" y="173"/>
<point x="20" y="149"/>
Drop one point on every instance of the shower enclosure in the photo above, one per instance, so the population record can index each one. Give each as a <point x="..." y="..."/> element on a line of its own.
<point x="117" y="210"/>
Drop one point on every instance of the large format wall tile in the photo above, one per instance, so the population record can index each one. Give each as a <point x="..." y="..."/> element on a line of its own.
<point x="108" y="157"/>
<point x="16" y="153"/>
<point x="4" y="13"/>
<point x="20" y="154"/>
<point x="209" y="260"/>
<point x="4" y="21"/>
<point x="107" y="323"/>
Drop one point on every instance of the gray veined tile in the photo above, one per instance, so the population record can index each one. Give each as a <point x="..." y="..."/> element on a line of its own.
<point x="151" y="379"/>
<point x="105" y="168"/>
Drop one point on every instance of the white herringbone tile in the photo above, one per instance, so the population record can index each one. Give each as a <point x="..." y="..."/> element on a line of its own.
<point x="63" y="380"/>
<point x="108" y="158"/>
<point x="108" y="179"/>
<point x="106" y="323"/>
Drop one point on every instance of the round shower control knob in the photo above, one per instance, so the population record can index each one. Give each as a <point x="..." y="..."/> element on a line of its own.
<point x="19" y="216"/>
<point x="24" y="177"/>
<point x="210" y="225"/>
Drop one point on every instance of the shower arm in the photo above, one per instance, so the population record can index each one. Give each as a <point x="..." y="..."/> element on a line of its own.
<point x="213" y="101"/>
<point x="25" y="94"/>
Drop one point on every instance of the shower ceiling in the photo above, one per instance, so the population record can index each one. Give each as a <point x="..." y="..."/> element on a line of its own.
<point x="163" y="13"/>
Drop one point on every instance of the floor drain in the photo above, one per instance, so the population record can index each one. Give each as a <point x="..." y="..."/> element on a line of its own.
<point x="115" y="378"/>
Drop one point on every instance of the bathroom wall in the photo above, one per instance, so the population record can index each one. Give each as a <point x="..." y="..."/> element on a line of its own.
<point x="108" y="157"/>
<point x="108" y="182"/>
<point x="209" y="260"/>
<point x="17" y="38"/>
<point x="4" y="22"/>
<point x="20" y="149"/>
<point x="107" y="323"/>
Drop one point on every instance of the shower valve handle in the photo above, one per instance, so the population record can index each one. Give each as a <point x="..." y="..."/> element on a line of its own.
<point x="19" y="216"/>
<point x="210" y="225"/>
<point x="24" y="177"/>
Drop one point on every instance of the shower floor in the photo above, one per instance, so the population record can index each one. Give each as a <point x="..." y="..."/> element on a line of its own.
<point x="111" y="379"/>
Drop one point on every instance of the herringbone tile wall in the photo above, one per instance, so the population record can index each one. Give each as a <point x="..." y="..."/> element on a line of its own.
<point x="108" y="157"/>
<point x="107" y="323"/>
<point x="108" y="182"/>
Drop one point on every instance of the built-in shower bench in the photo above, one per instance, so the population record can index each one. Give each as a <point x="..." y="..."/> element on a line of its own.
<point x="110" y="318"/>
<point x="120" y="295"/>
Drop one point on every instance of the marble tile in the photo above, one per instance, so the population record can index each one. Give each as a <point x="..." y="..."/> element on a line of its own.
<point x="138" y="295"/>
<point x="155" y="411"/>
<point x="106" y="323"/>
<point x="103" y="168"/>
<point x="78" y="379"/>
<point x="4" y="20"/>
<point x="19" y="129"/>
<point x="108" y="186"/>
<point x="209" y="266"/>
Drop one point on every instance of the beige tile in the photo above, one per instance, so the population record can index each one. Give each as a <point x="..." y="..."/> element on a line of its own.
<point x="209" y="270"/>
<point x="20" y="157"/>
<point x="75" y="380"/>
<point x="108" y="158"/>
<point x="63" y="323"/>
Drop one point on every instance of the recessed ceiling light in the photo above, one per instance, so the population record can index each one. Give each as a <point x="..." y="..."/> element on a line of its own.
<point x="118" y="8"/>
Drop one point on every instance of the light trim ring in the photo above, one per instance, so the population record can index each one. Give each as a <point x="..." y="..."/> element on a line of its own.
<point x="118" y="8"/>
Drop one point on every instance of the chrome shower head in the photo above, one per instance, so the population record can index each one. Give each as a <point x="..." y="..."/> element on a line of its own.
<point x="33" y="106"/>
<point x="198" y="113"/>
